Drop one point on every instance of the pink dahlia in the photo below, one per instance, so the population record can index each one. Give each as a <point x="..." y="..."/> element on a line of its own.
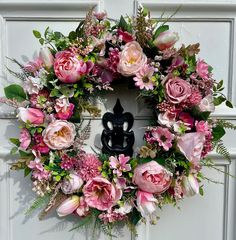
<point x="88" y="166"/>
<point x="163" y="136"/>
<point x="143" y="78"/>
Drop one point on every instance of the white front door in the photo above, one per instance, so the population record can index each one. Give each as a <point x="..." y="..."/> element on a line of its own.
<point x="212" y="24"/>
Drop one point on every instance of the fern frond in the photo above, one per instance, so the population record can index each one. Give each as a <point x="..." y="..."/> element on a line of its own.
<point x="82" y="223"/>
<point x="221" y="149"/>
<point x="39" y="202"/>
<point x="225" y="124"/>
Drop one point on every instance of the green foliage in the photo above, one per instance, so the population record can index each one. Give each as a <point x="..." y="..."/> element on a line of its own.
<point x="159" y="30"/>
<point x="124" y="25"/>
<point x="38" y="203"/>
<point x="37" y="34"/>
<point x="218" y="132"/>
<point x="221" y="149"/>
<point x="225" y="124"/>
<point x="135" y="216"/>
<point x="15" y="141"/>
<point x="16" y="92"/>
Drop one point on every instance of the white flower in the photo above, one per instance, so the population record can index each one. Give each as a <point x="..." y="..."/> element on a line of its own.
<point x="207" y="104"/>
<point x="125" y="209"/>
<point x="33" y="85"/>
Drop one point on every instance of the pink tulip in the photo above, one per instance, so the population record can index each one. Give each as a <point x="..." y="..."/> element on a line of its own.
<point x="146" y="203"/>
<point x="166" y="40"/>
<point x="68" y="206"/>
<point x="190" y="185"/>
<point x="31" y="115"/>
<point x="46" y="56"/>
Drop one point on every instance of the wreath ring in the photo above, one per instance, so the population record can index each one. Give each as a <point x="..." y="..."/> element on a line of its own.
<point x="59" y="85"/>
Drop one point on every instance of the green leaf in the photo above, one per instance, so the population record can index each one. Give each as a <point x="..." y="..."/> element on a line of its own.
<point x="76" y="116"/>
<point x="135" y="216"/>
<point x="58" y="178"/>
<point x="219" y="100"/>
<point x="37" y="34"/>
<point x="218" y="132"/>
<point x="229" y="104"/>
<point x="201" y="191"/>
<point x="72" y="35"/>
<point x="27" y="171"/>
<point x="41" y="41"/>
<point x="14" y="150"/>
<point x="54" y="93"/>
<point x="24" y="154"/>
<point x="159" y="30"/>
<point x="15" y="141"/>
<point x="124" y="25"/>
<point x="16" y="92"/>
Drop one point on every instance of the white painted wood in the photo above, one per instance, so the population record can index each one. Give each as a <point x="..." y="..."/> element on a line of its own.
<point x="209" y="22"/>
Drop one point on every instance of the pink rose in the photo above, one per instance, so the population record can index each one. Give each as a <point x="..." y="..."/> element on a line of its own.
<point x="202" y="69"/>
<point x="101" y="194"/>
<point x="31" y="115"/>
<point x="25" y="138"/>
<point x="177" y="90"/>
<point x="59" y="134"/>
<point x="191" y="145"/>
<point x="69" y="68"/>
<point x="64" y="108"/>
<point x="151" y="177"/>
<point x="166" y="40"/>
<point x="132" y="59"/>
<point x="146" y="203"/>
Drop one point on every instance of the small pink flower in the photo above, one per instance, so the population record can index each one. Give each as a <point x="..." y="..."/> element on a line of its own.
<point x="177" y="90"/>
<point x="38" y="170"/>
<point x="187" y="119"/>
<point x="25" y="138"/>
<point x="151" y="177"/>
<point x="119" y="164"/>
<point x="111" y="216"/>
<point x="31" y="115"/>
<point x="33" y="66"/>
<point x="64" y="108"/>
<point x="163" y="136"/>
<point x="88" y="166"/>
<point x="69" y="68"/>
<point x="195" y="98"/>
<point x="202" y="69"/>
<point x="68" y="163"/>
<point x="146" y="203"/>
<point x="191" y="145"/>
<point x="166" y="40"/>
<point x="101" y="194"/>
<point x="143" y="78"/>
<point x="125" y="36"/>
<point x="202" y="126"/>
<point x="100" y="15"/>
<point x="40" y="145"/>
<point x="68" y="206"/>
<point x="83" y="208"/>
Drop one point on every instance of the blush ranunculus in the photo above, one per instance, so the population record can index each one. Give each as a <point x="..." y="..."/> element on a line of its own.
<point x="207" y="104"/>
<point x="166" y="40"/>
<point x="31" y="115"/>
<point x="132" y="59"/>
<point x="25" y="138"/>
<point x="151" y="177"/>
<point x="101" y="194"/>
<point x="202" y="69"/>
<point x="191" y="145"/>
<point x="69" y="68"/>
<point x="59" y="134"/>
<point x="177" y="90"/>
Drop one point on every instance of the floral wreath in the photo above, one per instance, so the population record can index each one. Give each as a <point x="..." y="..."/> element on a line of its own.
<point x="58" y="87"/>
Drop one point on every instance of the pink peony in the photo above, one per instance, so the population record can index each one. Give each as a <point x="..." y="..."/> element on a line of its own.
<point x="191" y="145"/>
<point x="146" y="203"/>
<point x="119" y="164"/>
<point x="177" y="90"/>
<point x="202" y="69"/>
<point x="25" y="139"/>
<point x="166" y="40"/>
<point x="151" y="177"/>
<point x="99" y="193"/>
<point x="31" y="115"/>
<point x="68" y="206"/>
<point x="40" y="145"/>
<point x="132" y="59"/>
<point x="59" y="134"/>
<point x="88" y="166"/>
<point x="64" y="108"/>
<point x="143" y="78"/>
<point x="163" y="136"/>
<point x="69" y="68"/>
